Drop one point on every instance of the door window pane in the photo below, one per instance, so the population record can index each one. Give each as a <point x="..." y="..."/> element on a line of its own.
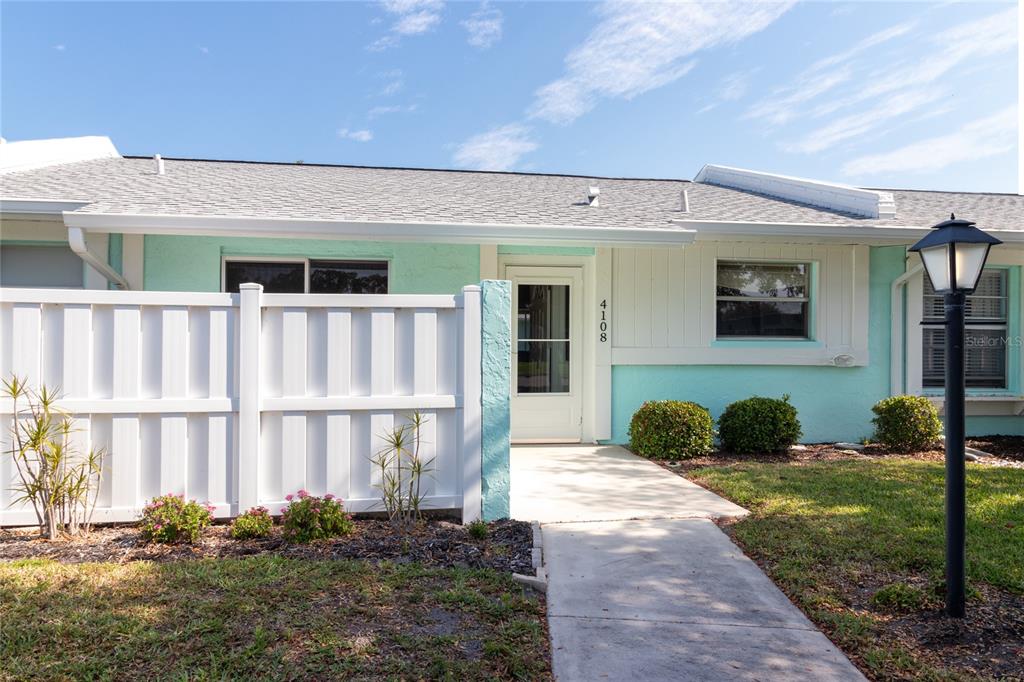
<point x="348" y="277"/>
<point x="543" y="311"/>
<point x="543" y="366"/>
<point x="276" y="278"/>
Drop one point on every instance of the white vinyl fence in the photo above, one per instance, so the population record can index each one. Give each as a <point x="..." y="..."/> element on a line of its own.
<point x="240" y="399"/>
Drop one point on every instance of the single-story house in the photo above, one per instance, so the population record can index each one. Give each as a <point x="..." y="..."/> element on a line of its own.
<point x="733" y="284"/>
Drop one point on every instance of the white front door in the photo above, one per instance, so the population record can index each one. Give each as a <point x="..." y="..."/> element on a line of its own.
<point x="547" y="384"/>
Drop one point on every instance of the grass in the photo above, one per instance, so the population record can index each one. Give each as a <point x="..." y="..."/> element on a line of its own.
<point x="850" y="540"/>
<point x="266" y="617"/>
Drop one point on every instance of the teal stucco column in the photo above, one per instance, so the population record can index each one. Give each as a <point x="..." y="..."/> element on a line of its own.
<point x="496" y="388"/>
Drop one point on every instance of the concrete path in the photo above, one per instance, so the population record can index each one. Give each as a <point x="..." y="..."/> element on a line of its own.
<point x="559" y="483"/>
<point x="633" y="595"/>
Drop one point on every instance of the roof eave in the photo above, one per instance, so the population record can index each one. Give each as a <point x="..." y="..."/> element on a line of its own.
<point x="312" y="228"/>
<point x="711" y="230"/>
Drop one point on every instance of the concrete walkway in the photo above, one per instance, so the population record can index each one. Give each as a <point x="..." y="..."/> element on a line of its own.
<point x="643" y="586"/>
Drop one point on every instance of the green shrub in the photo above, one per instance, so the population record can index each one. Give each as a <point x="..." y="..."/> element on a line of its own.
<point x="169" y="519"/>
<point x="478" y="530"/>
<point x="255" y="523"/>
<point x="905" y="423"/>
<point x="308" y="518"/>
<point x="759" y="425"/>
<point x="671" y="429"/>
<point x="899" y="597"/>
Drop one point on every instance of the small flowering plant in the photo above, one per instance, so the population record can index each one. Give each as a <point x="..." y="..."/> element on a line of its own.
<point x="255" y="523"/>
<point x="170" y="519"/>
<point x="308" y="518"/>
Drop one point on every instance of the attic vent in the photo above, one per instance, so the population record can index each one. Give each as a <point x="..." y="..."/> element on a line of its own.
<point x="159" y="165"/>
<point x="593" y="196"/>
<point x="684" y="201"/>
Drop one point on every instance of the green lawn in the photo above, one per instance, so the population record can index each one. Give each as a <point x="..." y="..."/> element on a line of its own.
<point x="833" y="534"/>
<point x="270" y="617"/>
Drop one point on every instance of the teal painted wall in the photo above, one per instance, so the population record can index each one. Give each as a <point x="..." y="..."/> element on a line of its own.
<point x="995" y="426"/>
<point x="496" y="378"/>
<point x="834" y="403"/>
<point x="176" y="263"/>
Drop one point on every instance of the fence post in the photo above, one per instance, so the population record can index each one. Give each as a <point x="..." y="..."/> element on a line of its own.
<point x="471" y="408"/>
<point x="249" y="380"/>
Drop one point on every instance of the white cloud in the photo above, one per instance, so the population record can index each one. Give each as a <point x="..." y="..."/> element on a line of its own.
<point x="356" y="135"/>
<point x="60" y="47"/>
<point x="412" y="17"/>
<point x="391" y="87"/>
<point x="204" y="49"/>
<point x="860" y="123"/>
<point x="730" y="88"/>
<point x="637" y="47"/>
<point x="497" y="149"/>
<point x="979" y="139"/>
<point x="394" y="109"/>
<point x="484" y="26"/>
<point x="882" y="90"/>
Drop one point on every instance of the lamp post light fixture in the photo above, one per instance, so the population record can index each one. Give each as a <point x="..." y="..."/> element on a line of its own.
<point x="954" y="254"/>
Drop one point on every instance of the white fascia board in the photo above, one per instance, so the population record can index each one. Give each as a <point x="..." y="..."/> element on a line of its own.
<point x="716" y="230"/>
<point x="25" y="206"/>
<point x="29" y="154"/>
<point x="465" y="233"/>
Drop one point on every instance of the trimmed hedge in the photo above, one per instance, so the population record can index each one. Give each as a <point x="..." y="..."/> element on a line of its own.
<point x="759" y="425"/>
<point x="671" y="429"/>
<point x="905" y="423"/>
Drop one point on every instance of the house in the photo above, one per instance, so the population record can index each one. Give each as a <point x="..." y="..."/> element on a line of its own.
<point x="624" y="290"/>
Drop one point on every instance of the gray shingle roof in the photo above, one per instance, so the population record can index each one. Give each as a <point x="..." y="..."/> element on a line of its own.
<point x="347" y="193"/>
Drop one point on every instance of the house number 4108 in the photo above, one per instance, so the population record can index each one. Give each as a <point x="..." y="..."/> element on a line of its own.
<point x="602" y="325"/>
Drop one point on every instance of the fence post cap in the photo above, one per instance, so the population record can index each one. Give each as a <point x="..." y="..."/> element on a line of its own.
<point x="471" y="288"/>
<point x="250" y="286"/>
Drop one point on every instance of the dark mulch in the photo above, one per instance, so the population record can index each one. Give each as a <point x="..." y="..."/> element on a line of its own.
<point x="1007" y="447"/>
<point x="800" y="455"/>
<point x="435" y="543"/>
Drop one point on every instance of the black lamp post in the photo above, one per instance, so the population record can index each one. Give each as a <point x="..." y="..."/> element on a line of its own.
<point x="954" y="255"/>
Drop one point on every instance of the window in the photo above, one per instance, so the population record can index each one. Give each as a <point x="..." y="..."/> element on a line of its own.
<point x="543" y="338"/>
<point x="314" y="276"/>
<point x="985" y="344"/>
<point x="762" y="300"/>
<point x="23" y="265"/>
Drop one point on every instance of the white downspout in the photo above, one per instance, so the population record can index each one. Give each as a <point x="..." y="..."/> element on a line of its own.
<point x="76" y="239"/>
<point x="896" y="331"/>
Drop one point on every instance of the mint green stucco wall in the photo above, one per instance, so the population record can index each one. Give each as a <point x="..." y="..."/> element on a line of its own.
<point x="496" y="383"/>
<point x="176" y="263"/>
<point x="834" y="403"/>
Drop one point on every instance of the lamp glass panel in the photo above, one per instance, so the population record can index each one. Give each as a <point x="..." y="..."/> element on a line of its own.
<point x="936" y="262"/>
<point x="970" y="259"/>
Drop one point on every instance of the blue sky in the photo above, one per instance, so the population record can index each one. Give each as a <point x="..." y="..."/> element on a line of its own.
<point x="871" y="93"/>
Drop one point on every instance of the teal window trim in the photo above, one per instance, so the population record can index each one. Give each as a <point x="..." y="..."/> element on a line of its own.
<point x="767" y="343"/>
<point x="32" y="242"/>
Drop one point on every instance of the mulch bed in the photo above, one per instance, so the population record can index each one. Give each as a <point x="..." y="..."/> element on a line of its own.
<point x="824" y="452"/>
<point x="1005" y="447"/>
<point x="508" y="546"/>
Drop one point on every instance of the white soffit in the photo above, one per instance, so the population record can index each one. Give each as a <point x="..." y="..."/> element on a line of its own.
<point x="827" y="195"/>
<point x="28" y="154"/>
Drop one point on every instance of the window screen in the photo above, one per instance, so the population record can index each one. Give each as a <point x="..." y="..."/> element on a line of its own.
<point x="276" y="277"/>
<point x="348" y="277"/>
<point x="985" y="346"/>
<point x="762" y="299"/>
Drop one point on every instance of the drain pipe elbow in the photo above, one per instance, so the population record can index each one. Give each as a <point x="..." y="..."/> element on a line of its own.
<point x="76" y="240"/>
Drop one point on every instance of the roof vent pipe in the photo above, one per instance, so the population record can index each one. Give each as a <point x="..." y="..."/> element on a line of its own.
<point x="685" y="202"/>
<point x="593" y="196"/>
<point x="159" y="165"/>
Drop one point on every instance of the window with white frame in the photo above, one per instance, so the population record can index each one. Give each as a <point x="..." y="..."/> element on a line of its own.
<point x="985" y="346"/>
<point x="762" y="300"/>
<point x="308" y="276"/>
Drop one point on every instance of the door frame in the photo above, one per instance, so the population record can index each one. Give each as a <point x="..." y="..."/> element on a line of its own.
<point x="587" y="336"/>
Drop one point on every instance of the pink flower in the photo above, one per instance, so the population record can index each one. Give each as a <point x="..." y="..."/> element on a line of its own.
<point x="303" y="494"/>
<point x="329" y="496"/>
<point x="288" y="497"/>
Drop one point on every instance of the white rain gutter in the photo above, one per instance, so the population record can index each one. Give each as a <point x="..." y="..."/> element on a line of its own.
<point x="311" y="228"/>
<point x="76" y="240"/>
<point x="711" y="230"/>
<point x="897" y="324"/>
